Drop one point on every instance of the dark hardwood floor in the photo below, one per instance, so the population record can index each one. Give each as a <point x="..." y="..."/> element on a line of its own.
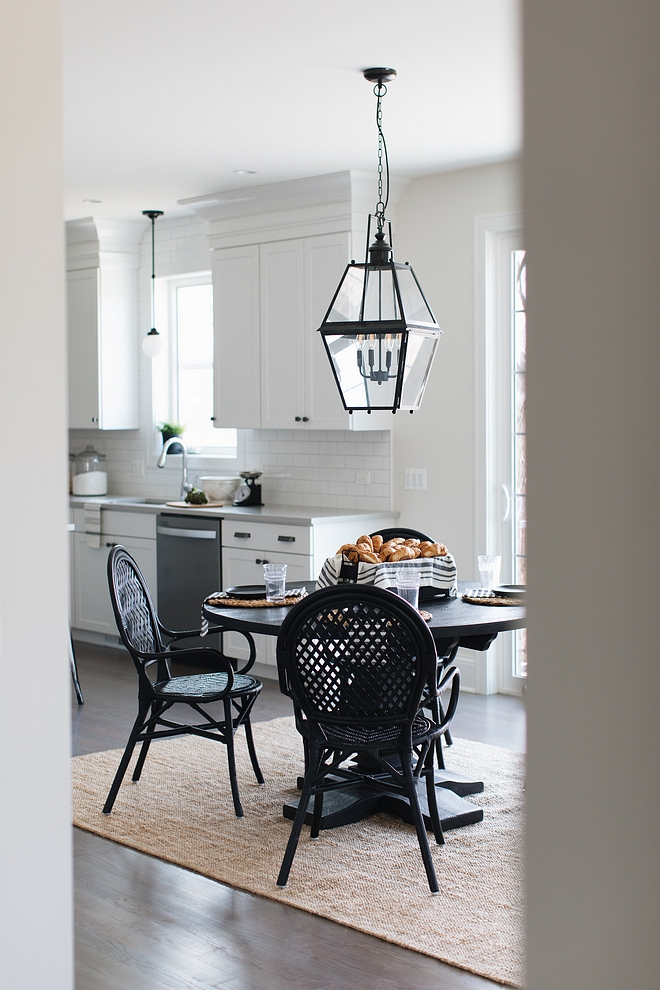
<point x="142" y="924"/>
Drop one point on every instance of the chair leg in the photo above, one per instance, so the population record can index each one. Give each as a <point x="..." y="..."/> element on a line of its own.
<point x="74" y="673"/>
<point x="231" y="759"/>
<point x="296" y="829"/>
<point x="419" y="822"/>
<point x="155" y="710"/>
<point x="252" y="751"/>
<point x="431" y="797"/>
<point x="125" y="760"/>
<point x="316" y="816"/>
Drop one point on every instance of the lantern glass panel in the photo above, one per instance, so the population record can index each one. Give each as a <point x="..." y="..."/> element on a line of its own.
<point x="366" y="366"/>
<point x="415" y="307"/>
<point x="380" y="300"/>
<point x="419" y="358"/>
<point x="347" y="303"/>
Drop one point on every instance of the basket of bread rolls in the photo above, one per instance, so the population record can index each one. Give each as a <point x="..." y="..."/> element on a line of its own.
<point x="373" y="560"/>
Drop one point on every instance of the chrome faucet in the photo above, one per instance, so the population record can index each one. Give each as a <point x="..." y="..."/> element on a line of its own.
<point x="185" y="486"/>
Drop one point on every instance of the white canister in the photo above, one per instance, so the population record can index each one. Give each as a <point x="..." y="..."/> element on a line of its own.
<point x="89" y="474"/>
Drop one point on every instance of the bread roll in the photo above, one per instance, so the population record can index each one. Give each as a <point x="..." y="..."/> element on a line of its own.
<point x="369" y="558"/>
<point x="377" y="542"/>
<point x="365" y="539"/>
<point x="403" y="553"/>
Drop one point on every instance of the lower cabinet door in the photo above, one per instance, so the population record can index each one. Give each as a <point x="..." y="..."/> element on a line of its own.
<point x="92" y="608"/>
<point x="241" y="567"/>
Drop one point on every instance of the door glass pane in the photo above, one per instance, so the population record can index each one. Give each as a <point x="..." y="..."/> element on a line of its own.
<point x="519" y="430"/>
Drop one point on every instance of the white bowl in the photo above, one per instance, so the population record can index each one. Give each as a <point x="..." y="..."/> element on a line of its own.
<point x="219" y="489"/>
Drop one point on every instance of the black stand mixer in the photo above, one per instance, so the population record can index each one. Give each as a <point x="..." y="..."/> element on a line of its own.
<point x="249" y="494"/>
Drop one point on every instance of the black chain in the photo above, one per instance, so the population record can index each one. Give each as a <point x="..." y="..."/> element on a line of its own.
<point x="380" y="89"/>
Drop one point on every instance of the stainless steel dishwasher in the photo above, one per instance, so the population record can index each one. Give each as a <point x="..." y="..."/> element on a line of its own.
<point x="189" y="565"/>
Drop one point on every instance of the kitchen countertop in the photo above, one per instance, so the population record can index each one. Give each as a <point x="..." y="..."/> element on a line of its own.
<point x="295" y="515"/>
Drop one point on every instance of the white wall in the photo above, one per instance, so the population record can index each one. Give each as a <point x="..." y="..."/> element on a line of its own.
<point x="592" y="217"/>
<point x="35" y="830"/>
<point x="435" y="233"/>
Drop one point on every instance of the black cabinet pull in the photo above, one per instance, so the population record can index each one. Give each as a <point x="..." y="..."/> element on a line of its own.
<point x="242" y="536"/>
<point x="305" y="419"/>
<point x="259" y="561"/>
<point x="112" y="544"/>
<point x="286" y="539"/>
<point x="297" y="418"/>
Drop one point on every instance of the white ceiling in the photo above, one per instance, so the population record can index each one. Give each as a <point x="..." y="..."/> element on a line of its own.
<point x="165" y="98"/>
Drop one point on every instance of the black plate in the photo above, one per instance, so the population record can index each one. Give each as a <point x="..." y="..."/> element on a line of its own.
<point x="511" y="590"/>
<point x="254" y="591"/>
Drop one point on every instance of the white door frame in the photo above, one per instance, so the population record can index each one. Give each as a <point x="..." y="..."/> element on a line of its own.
<point x="491" y="235"/>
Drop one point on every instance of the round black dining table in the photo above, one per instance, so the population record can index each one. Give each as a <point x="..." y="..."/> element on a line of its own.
<point x="454" y="624"/>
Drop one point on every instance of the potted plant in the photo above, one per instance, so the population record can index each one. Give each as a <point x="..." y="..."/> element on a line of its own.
<point x="169" y="430"/>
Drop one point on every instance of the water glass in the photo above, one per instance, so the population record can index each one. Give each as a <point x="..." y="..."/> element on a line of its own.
<point x="489" y="570"/>
<point x="407" y="584"/>
<point x="275" y="579"/>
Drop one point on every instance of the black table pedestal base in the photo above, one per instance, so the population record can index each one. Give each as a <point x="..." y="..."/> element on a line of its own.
<point x="352" y="804"/>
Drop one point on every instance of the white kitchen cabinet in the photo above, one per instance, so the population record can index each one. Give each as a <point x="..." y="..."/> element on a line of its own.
<point x="237" y="341"/>
<point x="91" y="608"/>
<point x="102" y="262"/>
<point x="241" y="567"/>
<point x="271" y="369"/>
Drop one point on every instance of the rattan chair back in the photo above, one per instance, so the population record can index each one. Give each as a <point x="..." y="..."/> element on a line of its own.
<point x="134" y="610"/>
<point x="355" y="655"/>
<point x="407" y="534"/>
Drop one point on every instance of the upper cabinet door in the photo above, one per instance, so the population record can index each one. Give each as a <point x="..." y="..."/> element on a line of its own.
<point x="282" y="335"/>
<point x="83" y="303"/>
<point x="103" y="348"/>
<point x="326" y="258"/>
<point x="237" y="343"/>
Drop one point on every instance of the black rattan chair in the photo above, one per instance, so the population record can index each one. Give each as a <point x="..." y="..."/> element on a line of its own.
<point x="142" y="632"/>
<point x="359" y="663"/>
<point x="407" y="534"/>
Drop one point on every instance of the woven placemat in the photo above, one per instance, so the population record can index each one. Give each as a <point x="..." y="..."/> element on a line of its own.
<point x="496" y="600"/>
<point x="252" y="602"/>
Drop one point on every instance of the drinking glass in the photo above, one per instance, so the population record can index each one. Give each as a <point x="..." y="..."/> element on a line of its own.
<point x="407" y="584"/>
<point x="489" y="570"/>
<point x="275" y="578"/>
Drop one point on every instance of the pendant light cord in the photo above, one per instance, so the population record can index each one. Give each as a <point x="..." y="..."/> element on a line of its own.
<point x="380" y="89"/>
<point x="153" y="273"/>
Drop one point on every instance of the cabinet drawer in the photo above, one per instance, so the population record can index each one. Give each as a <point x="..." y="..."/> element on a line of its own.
<point x="241" y="567"/>
<point x="266" y="536"/>
<point x="140" y="524"/>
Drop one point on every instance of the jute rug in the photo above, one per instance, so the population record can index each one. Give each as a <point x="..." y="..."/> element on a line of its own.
<point x="368" y="876"/>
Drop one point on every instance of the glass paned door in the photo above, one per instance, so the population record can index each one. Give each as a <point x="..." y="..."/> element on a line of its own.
<point x="506" y="432"/>
<point x="519" y="439"/>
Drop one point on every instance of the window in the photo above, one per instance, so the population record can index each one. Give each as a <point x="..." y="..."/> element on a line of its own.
<point x="183" y="375"/>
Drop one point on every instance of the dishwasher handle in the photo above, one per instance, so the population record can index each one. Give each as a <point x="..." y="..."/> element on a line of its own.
<point x="189" y="534"/>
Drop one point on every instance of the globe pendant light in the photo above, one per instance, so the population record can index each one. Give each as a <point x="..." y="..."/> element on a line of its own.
<point x="152" y="344"/>
<point x="379" y="332"/>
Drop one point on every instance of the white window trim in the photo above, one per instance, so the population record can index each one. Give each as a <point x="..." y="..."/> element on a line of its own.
<point x="163" y="380"/>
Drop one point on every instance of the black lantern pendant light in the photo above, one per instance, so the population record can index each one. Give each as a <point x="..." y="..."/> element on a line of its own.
<point x="152" y="344"/>
<point x="379" y="331"/>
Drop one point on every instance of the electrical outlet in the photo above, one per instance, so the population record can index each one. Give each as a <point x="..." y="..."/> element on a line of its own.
<point x="415" y="479"/>
<point x="362" y="478"/>
<point x="137" y="469"/>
